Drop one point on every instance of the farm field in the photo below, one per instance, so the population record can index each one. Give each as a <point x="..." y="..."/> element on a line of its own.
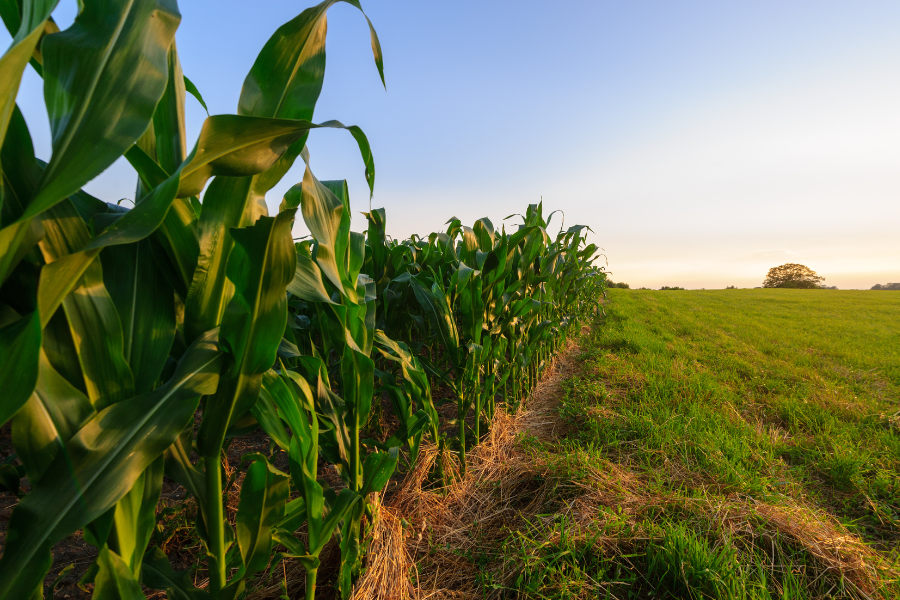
<point x="720" y="444"/>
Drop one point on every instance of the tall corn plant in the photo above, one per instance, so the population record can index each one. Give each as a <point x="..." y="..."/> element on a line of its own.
<point x="117" y="325"/>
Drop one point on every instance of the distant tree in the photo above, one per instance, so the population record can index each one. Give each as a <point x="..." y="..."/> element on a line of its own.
<point x="665" y="287"/>
<point x="886" y="286"/>
<point x="792" y="275"/>
<point x="619" y="285"/>
<point x="730" y="287"/>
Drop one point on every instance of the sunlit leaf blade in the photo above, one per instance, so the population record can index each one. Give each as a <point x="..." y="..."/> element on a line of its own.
<point x="286" y="78"/>
<point x="135" y="516"/>
<point x="53" y="414"/>
<point x="307" y="283"/>
<point x="193" y="91"/>
<point x="114" y="580"/>
<point x="210" y="289"/>
<point x="15" y="59"/>
<point x="237" y="146"/>
<point x="261" y="266"/>
<point x="101" y="463"/>
<point x="103" y="78"/>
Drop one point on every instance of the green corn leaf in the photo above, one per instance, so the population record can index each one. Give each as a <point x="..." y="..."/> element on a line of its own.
<point x="178" y="466"/>
<point x="307" y="283"/>
<point x="88" y="307"/>
<point x="193" y="91"/>
<point x="20" y="347"/>
<point x="114" y="580"/>
<point x="177" y="234"/>
<point x="237" y="146"/>
<point x="16" y="58"/>
<point x="266" y="414"/>
<point x="235" y="201"/>
<point x="103" y="78"/>
<point x="135" y="516"/>
<point x="261" y="266"/>
<point x="264" y="494"/>
<point x="53" y="414"/>
<point x="437" y="310"/>
<point x="21" y="173"/>
<point x="323" y="214"/>
<point x="145" y="303"/>
<point x="377" y="470"/>
<point x="294" y="517"/>
<point x="168" y="118"/>
<point x="293" y="412"/>
<point x="346" y="500"/>
<point x="158" y="574"/>
<point x="100" y="464"/>
<point x="287" y="77"/>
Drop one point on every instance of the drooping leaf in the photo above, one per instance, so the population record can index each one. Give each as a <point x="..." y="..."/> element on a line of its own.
<point x="193" y="91"/>
<point x="103" y="78"/>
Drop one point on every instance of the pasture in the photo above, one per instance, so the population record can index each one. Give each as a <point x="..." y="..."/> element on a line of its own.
<point x="721" y="444"/>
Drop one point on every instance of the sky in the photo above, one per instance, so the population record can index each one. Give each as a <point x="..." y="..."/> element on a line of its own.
<point x="703" y="142"/>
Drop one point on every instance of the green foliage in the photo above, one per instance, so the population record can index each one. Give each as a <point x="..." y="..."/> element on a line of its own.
<point x="779" y="398"/>
<point x="792" y="275"/>
<point x="886" y="286"/>
<point x="666" y="287"/>
<point x="123" y="327"/>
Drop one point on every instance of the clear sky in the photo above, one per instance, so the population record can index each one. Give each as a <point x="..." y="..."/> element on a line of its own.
<point x="703" y="141"/>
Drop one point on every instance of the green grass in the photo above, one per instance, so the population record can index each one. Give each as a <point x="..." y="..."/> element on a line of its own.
<point x="732" y="438"/>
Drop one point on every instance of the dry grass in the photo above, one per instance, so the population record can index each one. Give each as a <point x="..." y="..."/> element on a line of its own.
<point x="447" y="525"/>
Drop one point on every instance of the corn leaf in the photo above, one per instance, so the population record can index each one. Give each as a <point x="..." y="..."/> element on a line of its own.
<point x="114" y="580"/>
<point x="20" y="346"/>
<point x="100" y="464"/>
<point x="104" y="77"/>
<point x="264" y="494"/>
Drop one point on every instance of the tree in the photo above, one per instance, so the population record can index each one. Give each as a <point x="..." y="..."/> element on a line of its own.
<point x="886" y="286"/>
<point x="792" y="275"/>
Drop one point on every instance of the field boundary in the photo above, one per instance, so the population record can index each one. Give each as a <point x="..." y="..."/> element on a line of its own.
<point x="426" y="531"/>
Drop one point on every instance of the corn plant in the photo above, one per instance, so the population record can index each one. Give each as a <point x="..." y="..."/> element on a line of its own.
<point x="117" y="325"/>
<point x="134" y="338"/>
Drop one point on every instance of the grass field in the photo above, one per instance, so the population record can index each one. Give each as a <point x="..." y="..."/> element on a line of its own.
<point x="735" y="444"/>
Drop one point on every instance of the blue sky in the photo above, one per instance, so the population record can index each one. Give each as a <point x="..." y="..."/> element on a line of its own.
<point x="704" y="142"/>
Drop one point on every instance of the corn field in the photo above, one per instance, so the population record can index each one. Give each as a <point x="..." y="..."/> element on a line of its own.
<point x="137" y="343"/>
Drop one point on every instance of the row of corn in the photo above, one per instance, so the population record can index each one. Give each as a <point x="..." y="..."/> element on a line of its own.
<point x="136" y="343"/>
